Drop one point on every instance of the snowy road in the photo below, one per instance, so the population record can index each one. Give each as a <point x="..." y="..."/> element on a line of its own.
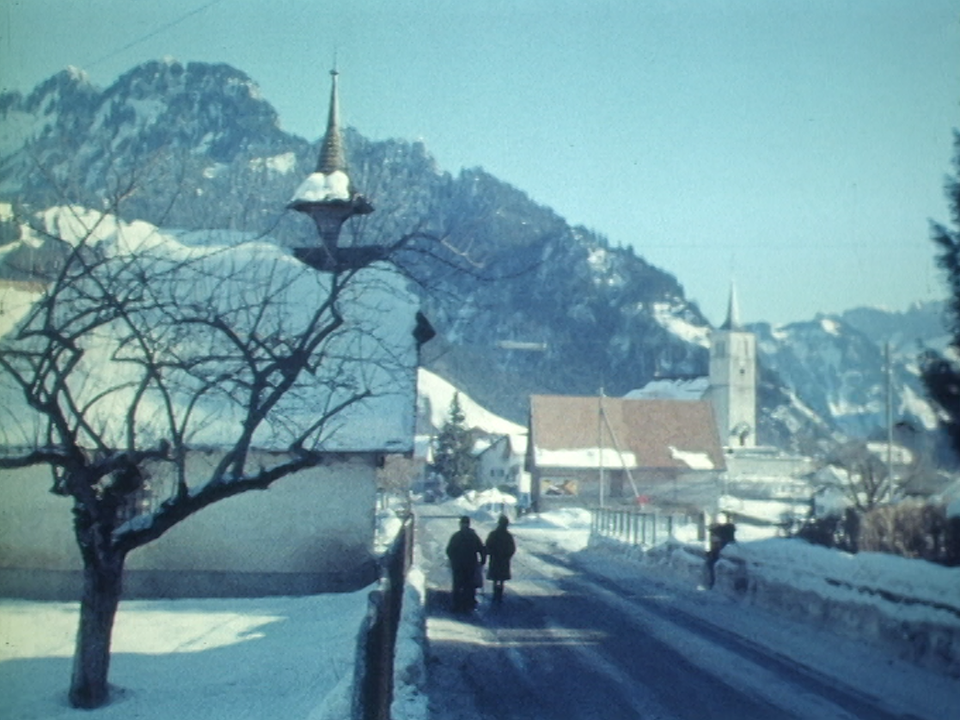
<point x="576" y="642"/>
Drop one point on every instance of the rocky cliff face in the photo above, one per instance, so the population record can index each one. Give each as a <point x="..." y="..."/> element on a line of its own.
<point x="522" y="301"/>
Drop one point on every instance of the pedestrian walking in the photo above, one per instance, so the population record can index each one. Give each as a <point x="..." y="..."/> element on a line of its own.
<point x="500" y="548"/>
<point x="467" y="557"/>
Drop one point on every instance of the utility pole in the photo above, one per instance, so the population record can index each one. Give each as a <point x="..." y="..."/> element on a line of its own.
<point x="600" y="442"/>
<point x="889" y="373"/>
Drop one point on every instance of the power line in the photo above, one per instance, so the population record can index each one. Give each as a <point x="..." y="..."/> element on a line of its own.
<point x="153" y="33"/>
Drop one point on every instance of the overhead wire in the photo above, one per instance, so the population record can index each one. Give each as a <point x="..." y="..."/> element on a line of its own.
<point x="153" y="33"/>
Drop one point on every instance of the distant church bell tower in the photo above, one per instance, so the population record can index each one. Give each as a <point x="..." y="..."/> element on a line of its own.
<point x="733" y="380"/>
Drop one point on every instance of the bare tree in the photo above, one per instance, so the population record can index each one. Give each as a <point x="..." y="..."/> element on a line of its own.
<point x="866" y="474"/>
<point x="141" y="349"/>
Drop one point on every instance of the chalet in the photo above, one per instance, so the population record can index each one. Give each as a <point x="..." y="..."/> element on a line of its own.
<point x="601" y="450"/>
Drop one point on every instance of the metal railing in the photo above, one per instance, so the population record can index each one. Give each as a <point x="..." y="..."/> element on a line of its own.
<point x="644" y="528"/>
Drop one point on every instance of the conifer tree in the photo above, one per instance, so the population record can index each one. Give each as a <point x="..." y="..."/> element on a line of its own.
<point x="453" y="455"/>
<point x="941" y="372"/>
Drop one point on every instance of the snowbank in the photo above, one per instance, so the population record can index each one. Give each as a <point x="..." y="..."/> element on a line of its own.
<point x="911" y="607"/>
<point x="410" y="670"/>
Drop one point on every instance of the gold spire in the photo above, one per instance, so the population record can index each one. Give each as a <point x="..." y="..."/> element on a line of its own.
<point x="332" y="157"/>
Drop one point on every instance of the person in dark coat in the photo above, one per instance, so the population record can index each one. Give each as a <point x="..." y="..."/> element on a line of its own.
<point x="500" y="548"/>
<point x="467" y="555"/>
<point x="721" y="535"/>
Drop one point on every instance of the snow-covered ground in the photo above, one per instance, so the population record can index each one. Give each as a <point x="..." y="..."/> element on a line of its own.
<point x="289" y="658"/>
<point x="293" y="658"/>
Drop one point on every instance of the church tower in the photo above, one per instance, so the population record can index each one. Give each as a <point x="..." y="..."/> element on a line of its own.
<point x="733" y="380"/>
<point x="330" y="199"/>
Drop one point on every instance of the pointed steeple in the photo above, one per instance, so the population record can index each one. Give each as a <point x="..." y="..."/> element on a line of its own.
<point x="733" y="379"/>
<point x="328" y="196"/>
<point x="332" y="156"/>
<point x="733" y="311"/>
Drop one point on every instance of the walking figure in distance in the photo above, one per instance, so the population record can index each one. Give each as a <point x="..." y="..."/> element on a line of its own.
<point x="467" y="556"/>
<point x="500" y="548"/>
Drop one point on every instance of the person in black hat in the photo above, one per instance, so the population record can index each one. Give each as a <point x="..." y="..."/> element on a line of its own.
<point x="467" y="555"/>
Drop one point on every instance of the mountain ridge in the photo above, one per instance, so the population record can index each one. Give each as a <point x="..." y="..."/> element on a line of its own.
<point x="204" y="150"/>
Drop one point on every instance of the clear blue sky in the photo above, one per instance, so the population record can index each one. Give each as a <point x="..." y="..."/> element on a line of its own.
<point x="799" y="146"/>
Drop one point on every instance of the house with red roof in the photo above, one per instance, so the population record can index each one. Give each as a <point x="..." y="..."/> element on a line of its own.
<point x="589" y="451"/>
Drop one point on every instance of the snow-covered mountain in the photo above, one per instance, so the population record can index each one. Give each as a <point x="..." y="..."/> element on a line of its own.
<point x="522" y="301"/>
<point x="838" y="367"/>
<point x="434" y="397"/>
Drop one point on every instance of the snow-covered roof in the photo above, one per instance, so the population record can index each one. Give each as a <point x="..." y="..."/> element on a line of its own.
<point x="672" y="389"/>
<point x="693" y="460"/>
<point x="584" y="457"/>
<point x="898" y="454"/>
<point x="267" y="297"/>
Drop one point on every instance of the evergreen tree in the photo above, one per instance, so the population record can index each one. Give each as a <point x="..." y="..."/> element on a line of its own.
<point x="941" y="373"/>
<point x="453" y="455"/>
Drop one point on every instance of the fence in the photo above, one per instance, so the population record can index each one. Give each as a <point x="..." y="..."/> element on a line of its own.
<point x="645" y="529"/>
<point x="373" y="674"/>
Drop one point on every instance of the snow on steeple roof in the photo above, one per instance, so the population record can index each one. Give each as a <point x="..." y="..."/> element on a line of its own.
<point x="329" y="182"/>
<point x="328" y="196"/>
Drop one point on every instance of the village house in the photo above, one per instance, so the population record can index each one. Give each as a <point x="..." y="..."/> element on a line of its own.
<point x="667" y="444"/>
<point x="601" y="450"/>
<point x="310" y="532"/>
<point x="502" y="463"/>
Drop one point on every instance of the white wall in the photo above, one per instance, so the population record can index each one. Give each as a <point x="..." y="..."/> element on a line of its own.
<point x="36" y="527"/>
<point x="310" y="532"/>
<point x="733" y="384"/>
<point x="498" y="466"/>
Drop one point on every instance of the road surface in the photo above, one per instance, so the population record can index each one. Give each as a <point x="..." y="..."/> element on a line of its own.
<point x="571" y="643"/>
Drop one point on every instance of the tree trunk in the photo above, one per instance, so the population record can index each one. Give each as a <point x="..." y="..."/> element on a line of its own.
<point x="102" y="585"/>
